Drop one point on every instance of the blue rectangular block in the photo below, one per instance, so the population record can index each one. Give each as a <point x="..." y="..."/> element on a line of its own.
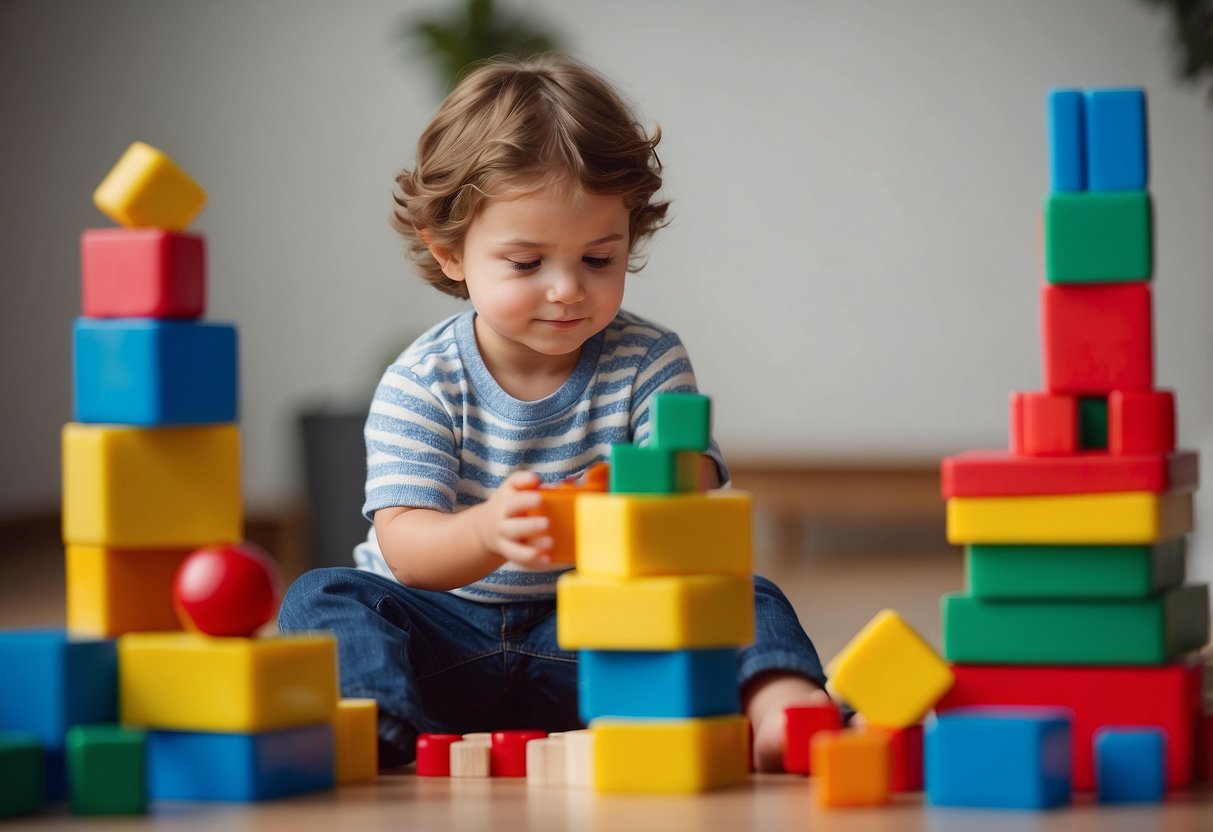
<point x="144" y="371"/>
<point x="1117" y="148"/>
<point x="1130" y="765"/>
<point x="678" y="683"/>
<point x="188" y="765"/>
<point x="1005" y="758"/>
<point x="1067" y="141"/>
<point x="51" y="681"/>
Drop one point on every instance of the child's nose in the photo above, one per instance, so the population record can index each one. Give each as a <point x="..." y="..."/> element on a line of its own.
<point x="565" y="288"/>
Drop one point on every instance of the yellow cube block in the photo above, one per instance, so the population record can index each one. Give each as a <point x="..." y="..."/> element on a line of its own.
<point x="670" y="755"/>
<point x="356" y="740"/>
<point x="132" y="488"/>
<point x="668" y="613"/>
<point x="116" y="591"/>
<point x="850" y="768"/>
<point x="630" y="535"/>
<point x="889" y="673"/>
<point x="190" y="682"/>
<point x="1085" y="519"/>
<point x="147" y="189"/>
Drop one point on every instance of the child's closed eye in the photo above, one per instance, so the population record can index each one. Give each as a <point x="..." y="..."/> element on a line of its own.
<point x="592" y="262"/>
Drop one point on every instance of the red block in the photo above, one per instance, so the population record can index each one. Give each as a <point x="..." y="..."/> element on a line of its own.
<point x="803" y="722"/>
<point x="1003" y="474"/>
<point x="905" y="757"/>
<point x="1204" y="743"/>
<point x="507" y="757"/>
<point x="1097" y="339"/>
<point x="434" y="754"/>
<point x="142" y="273"/>
<point x="1044" y="424"/>
<point x="1166" y="697"/>
<point x="1141" y="422"/>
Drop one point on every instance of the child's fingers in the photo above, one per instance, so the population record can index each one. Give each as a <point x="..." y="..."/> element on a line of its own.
<point x="522" y="554"/>
<point x="521" y="502"/>
<point x="520" y="528"/>
<point x="522" y="481"/>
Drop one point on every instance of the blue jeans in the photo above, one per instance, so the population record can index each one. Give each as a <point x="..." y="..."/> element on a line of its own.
<point x="436" y="662"/>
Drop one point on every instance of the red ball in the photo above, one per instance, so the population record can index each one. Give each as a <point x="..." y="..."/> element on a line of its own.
<point x="226" y="590"/>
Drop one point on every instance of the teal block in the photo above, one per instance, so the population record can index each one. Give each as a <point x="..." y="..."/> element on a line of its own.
<point x="681" y="422"/>
<point x="22" y="777"/>
<point x="107" y="770"/>
<point x="1098" y="237"/>
<point x="637" y="470"/>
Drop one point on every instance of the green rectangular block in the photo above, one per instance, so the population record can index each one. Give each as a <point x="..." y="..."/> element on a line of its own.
<point x="1102" y="237"/>
<point x="1148" y="632"/>
<point x="681" y="422"/>
<point x="22" y="774"/>
<point x="1093" y="423"/>
<point x="107" y="770"/>
<point x="646" y="470"/>
<point x="1074" y="572"/>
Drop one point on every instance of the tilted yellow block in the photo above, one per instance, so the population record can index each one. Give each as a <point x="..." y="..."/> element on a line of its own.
<point x="1115" y="517"/>
<point x="629" y="535"/>
<point x="116" y="591"/>
<point x="668" y="613"/>
<point x="889" y="673"/>
<point x="146" y="189"/>
<point x="356" y="740"/>
<point x="127" y="487"/>
<point x="191" y="682"/>
<point x="670" y="755"/>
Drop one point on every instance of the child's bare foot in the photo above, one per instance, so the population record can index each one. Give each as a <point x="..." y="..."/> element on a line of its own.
<point x="763" y="700"/>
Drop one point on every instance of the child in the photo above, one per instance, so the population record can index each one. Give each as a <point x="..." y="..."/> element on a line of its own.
<point x="532" y="190"/>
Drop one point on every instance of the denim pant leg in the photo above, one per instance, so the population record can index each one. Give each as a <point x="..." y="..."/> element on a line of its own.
<point x="541" y="675"/>
<point x="780" y="643"/>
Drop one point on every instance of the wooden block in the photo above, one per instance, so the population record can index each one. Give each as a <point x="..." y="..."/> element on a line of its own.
<point x="507" y="752"/>
<point x="1116" y="140"/>
<point x="142" y="273"/>
<point x="1130" y="765"/>
<point x="1097" y="339"/>
<point x="1098" y="238"/>
<point x="1093" y="423"/>
<point x="579" y="758"/>
<point x="803" y="722"/>
<point x="1141" y="421"/>
<point x="356" y="740"/>
<point x="1074" y="572"/>
<point x="681" y="422"/>
<point x="107" y="770"/>
<point x="669" y="756"/>
<point x="1001" y="474"/>
<point x="147" y="189"/>
<point x="485" y="737"/>
<point x="657" y="683"/>
<point x="1044" y="424"/>
<point x="850" y="768"/>
<point x="905" y="752"/>
<point x="545" y="762"/>
<point x="22" y="773"/>
<point x="116" y="591"/>
<point x="1067" y="140"/>
<point x="470" y="758"/>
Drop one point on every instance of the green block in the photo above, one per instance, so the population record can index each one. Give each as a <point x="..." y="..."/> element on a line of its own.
<point x="637" y="470"/>
<point x="681" y="422"/>
<point x="22" y="774"/>
<point x="1093" y="424"/>
<point x="1150" y="632"/>
<point x="1098" y="237"/>
<point x="1074" y="572"/>
<point x="106" y="770"/>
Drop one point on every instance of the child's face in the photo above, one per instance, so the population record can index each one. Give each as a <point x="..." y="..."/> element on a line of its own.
<point x="545" y="271"/>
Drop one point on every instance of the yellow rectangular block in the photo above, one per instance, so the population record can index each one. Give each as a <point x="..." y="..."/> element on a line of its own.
<point x="191" y="682"/>
<point x="356" y="740"/>
<point x="670" y="755"/>
<point x="147" y="189"/>
<point x="116" y="591"/>
<point x="138" y="488"/>
<point x="1114" y="517"/>
<point x="665" y="613"/>
<point x="850" y="768"/>
<point x="631" y="535"/>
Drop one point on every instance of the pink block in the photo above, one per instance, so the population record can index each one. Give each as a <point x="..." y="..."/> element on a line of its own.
<point x="142" y="273"/>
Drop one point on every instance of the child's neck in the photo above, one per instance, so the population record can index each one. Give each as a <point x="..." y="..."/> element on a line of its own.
<point x="521" y="372"/>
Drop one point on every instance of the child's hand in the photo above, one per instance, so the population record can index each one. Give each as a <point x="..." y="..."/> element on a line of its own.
<point x="504" y="529"/>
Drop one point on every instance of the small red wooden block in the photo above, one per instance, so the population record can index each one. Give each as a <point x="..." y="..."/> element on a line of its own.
<point x="803" y="722"/>
<point x="142" y="273"/>
<point x="507" y="758"/>
<point x="1044" y="424"/>
<point x="1003" y="474"/>
<point x="1204" y="765"/>
<point x="905" y="757"/>
<point x="1141" y="422"/>
<point x="1097" y="339"/>
<point x="434" y="754"/>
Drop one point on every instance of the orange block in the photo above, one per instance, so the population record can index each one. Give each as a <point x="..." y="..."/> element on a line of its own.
<point x="116" y="591"/>
<point x="559" y="506"/>
<point x="850" y="768"/>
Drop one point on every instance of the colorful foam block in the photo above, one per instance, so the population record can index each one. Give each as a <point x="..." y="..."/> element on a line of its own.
<point x="52" y="681"/>
<point x="663" y="613"/>
<point x="889" y="673"/>
<point x="126" y="487"/>
<point x="434" y="754"/>
<point x="1067" y="140"/>
<point x="142" y="273"/>
<point x="669" y="756"/>
<point x="999" y="758"/>
<point x="22" y="773"/>
<point x="356" y="741"/>
<point x="1141" y="421"/>
<point x="1125" y="517"/>
<point x="116" y="591"/>
<point x="1098" y="237"/>
<point x="147" y="189"/>
<point x="1093" y="423"/>
<point x="1043" y="424"/>
<point x="803" y="722"/>
<point x="629" y="536"/>
<point x="676" y="683"/>
<point x="1097" y="339"/>
<point x="637" y="470"/>
<point x="507" y="752"/>
<point x="1130" y="765"/>
<point x="1074" y="572"/>
<point x="905" y="756"/>
<point x="185" y="765"/>
<point x="850" y="768"/>
<point x="198" y="683"/>
<point x="681" y="422"/>
<point x="1116" y="145"/>
<point x="107" y="771"/>
<point x="1002" y="474"/>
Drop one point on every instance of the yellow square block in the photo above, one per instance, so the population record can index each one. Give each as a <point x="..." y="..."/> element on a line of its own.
<point x="116" y="591"/>
<point x="850" y="768"/>
<point x="127" y="487"/>
<point x="1114" y="517"/>
<point x="356" y="740"/>
<point x="668" y="613"/>
<point x="190" y="682"/>
<point x="630" y="536"/>
<point x="889" y="673"/>
<point x="670" y="755"/>
<point x="147" y="189"/>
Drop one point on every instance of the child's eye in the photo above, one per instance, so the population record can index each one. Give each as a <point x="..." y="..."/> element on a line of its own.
<point x="597" y="262"/>
<point x="525" y="267"/>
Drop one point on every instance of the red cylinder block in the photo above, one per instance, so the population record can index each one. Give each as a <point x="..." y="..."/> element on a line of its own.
<point x="434" y="754"/>
<point x="507" y="757"/>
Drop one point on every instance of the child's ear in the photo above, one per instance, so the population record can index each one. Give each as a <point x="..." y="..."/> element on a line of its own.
<point x="446" y="256"/>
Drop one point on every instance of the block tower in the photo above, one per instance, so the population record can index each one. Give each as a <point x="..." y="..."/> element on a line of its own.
<point x="661" y="598"/>
<point x="1075" y="537"/>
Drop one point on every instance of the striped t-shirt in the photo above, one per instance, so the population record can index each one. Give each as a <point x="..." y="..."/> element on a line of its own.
<point x="442" y="434"/>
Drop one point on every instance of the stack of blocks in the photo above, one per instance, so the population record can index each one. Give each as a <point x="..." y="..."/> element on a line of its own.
<point x="1076" y="594"/>
<point x="661" y="599"/>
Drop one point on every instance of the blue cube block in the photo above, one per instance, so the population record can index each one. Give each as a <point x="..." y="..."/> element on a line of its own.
<point x="144" y="371"/>
<point x="1117" y="150"/>
<point x="679" y="683"/>
<point x="188" y="765"/>
<point x="1006" y="758"/>
<point x="51" y="681"/>
<point x="1067" y="141"/>
<point x="1130" y="765"/>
